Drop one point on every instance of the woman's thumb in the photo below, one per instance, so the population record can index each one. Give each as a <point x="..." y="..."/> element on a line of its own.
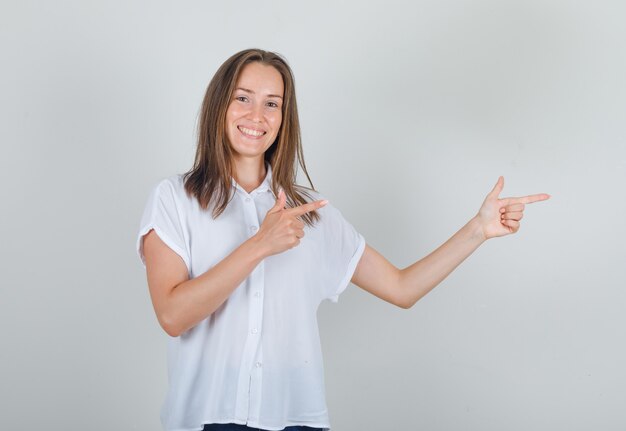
<point x="280" y="201"/>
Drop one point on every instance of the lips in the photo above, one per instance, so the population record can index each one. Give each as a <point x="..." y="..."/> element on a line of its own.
<point x="251" y="133"/>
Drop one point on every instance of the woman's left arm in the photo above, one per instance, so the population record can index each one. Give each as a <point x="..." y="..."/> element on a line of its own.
<point x="404" y="287"/>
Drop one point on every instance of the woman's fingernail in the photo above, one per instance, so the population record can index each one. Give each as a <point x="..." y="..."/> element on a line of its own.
<point x="324" y="202"/>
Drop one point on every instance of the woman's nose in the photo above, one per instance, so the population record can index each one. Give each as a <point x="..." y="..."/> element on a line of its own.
<point x="256" y="113"/>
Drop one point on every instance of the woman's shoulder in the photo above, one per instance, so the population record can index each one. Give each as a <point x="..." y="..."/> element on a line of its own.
<point x="328" y="213"/>
<point x="171" y="186"/>
<point x="174" y="180"/>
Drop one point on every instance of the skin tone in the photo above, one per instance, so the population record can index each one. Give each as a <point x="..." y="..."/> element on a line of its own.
<point x="253" y="121"/>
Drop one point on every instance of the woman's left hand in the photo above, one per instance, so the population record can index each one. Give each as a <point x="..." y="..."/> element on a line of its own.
<point x="499" y="217"/>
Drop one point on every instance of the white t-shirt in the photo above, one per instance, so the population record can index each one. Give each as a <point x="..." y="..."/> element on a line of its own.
<point x="257" y="359"/>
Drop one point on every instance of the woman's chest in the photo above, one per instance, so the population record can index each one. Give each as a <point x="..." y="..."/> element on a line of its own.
<point x="211" y="240"/>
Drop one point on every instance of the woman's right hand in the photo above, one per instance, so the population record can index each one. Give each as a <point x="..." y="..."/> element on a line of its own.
<point x="281" y="229"/>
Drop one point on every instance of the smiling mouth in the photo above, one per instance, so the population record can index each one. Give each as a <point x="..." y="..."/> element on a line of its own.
<point x="251" y="133"/>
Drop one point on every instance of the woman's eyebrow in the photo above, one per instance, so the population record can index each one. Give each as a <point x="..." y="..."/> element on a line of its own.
<point x="252" y="92"/>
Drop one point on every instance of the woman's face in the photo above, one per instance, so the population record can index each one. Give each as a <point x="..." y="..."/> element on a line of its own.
<point x="254" y="114"/>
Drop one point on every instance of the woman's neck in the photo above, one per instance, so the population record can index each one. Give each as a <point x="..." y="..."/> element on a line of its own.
<point x="249" y="173"/>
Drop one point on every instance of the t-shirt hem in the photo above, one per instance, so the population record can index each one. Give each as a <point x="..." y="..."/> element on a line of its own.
<point x="323" y="425"/>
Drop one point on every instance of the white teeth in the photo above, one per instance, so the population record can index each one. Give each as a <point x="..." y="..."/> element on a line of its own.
<point x="251" y="132"/>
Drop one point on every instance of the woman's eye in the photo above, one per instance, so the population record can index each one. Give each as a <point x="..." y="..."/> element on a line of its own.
<point x="273" y="104"/>
<point x="241" y="98"/>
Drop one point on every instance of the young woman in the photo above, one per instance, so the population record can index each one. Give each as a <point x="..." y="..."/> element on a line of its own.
<point x="239" y="257"/>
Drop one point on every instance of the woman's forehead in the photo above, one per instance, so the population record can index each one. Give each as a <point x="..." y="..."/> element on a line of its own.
<point x="262" y="79"/>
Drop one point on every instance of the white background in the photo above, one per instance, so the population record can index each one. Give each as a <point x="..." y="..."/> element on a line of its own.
<point x="410" y="111"/>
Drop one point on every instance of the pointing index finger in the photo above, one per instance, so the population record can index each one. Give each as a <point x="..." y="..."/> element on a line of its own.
<point x="305" y="208"/>
<point x="531" y="198"/>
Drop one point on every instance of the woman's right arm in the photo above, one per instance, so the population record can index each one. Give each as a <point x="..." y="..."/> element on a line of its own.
<point x="181" y="303"/>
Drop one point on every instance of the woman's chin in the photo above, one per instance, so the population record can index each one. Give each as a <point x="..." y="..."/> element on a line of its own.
<point x="249" y="152"/>
<point x="251" y="149"/>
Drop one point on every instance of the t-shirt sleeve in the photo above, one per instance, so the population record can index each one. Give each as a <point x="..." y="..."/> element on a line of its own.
<point x="344" y="248"/>
<point x="163" y="214"/>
